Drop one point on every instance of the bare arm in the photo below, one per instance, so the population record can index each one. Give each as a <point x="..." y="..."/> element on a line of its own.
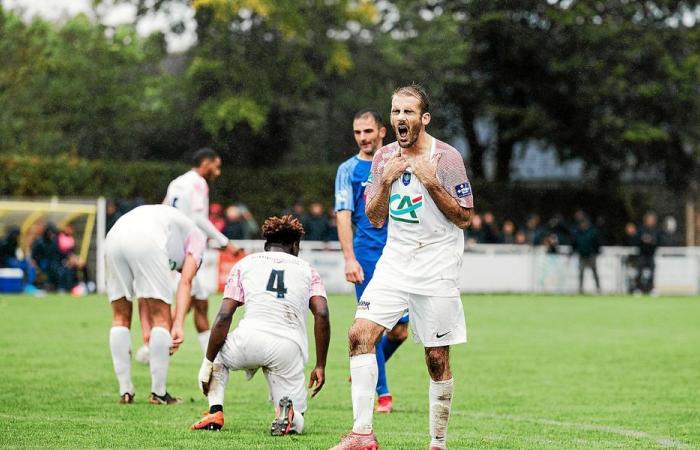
<point x="221" y="327"/>
<point x="322" y="333"/>
<point x="183" y="298"/>
<point x="353" y="270"/>
<point x="426" y="171"/>
<point x="449" y="206"/>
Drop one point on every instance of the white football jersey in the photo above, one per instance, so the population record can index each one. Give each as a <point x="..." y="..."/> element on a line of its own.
<point x="424" y="249"/>
<point x="167" y="227"/>
<point x="190" y="194"/>
<point x="275" y="288"/>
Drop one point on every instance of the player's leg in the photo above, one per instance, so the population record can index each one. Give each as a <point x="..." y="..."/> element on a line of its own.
<point x="143" y="354"/>
<point x="201" y="321"/>
<point x="438" y="322"/>
<point x="159" y="345"/>
<point x="120" y="347"/>
<point x="368" y="261"/>
<point x="440" y="393"/>
<point x="284" y="372"/>
<point x="362" y="337"/>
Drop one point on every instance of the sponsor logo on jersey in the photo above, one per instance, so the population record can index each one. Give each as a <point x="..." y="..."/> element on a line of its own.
<point x="463" y="190"/>
<point x="405" y="209"/>
<point x="406" y="178"/>
<point x="363" y="304"/>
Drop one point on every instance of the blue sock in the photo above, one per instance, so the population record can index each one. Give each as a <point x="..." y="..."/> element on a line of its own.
<point x="388" y="347"/>
<point x="382" y="388"/>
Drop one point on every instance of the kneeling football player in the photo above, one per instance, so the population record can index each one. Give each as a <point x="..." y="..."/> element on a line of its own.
<point x="141" y="250"/>
<point x="278" y="289"/>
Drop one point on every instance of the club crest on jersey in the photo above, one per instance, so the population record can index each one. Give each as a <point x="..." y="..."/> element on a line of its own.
<point x="463" y="190"/>
<point x="403" y="208"/>
<point x="172" y="263"/>
<point x="406" y="178"/>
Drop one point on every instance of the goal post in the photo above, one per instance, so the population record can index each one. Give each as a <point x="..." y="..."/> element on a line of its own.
<point x="86" y="216"/>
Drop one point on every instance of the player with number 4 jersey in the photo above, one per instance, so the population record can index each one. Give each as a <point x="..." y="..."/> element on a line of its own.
<point x="278" y="289"/>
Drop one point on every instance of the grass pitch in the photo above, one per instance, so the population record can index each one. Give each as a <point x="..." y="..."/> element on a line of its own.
<point x="538" y="373"/>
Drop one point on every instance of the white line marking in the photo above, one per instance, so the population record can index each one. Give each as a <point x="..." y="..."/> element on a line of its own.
<point x="662" y="441"/>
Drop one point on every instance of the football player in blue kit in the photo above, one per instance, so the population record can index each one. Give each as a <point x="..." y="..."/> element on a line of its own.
<point x="362" y="251"/>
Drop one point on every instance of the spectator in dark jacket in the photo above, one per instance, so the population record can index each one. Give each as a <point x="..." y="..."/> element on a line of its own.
<point x="587" y="245"/>
<point x="316" y="227"/>
<point x="49" y="260"/>
<point x="648" y="240"/>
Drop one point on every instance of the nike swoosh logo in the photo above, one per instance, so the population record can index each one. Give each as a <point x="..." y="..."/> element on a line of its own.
<point x="438" y="335"/>
<point x="364" y="183"/>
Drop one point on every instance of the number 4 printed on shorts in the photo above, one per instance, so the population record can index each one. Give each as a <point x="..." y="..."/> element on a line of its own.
<point x="277" y="276"/>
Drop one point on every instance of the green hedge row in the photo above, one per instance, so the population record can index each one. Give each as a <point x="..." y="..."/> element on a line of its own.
<point x="273" y="190"/>
<point x="265" y="191"/>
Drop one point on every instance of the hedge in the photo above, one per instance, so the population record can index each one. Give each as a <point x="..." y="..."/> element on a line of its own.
<point x="273" y="190"/>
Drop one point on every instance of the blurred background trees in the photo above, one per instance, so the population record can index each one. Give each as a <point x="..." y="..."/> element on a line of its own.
<point x="614" y="83"/>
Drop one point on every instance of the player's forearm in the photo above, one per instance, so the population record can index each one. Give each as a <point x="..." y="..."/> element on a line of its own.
<point x="449" y="206"/>
<point x="322" y="334"/>
<point x="345" y="234"/>
<point x="210" y="230"/>
<point x="183" y="298"/>
<point x="377" y="208"/>
<point x="220" y="329"/>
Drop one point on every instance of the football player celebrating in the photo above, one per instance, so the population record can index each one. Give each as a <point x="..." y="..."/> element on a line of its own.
<point x="362" y="252"/>
<point x="420" y="186"/>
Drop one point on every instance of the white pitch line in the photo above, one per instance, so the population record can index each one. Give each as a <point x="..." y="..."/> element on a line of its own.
<point x="662" y="441"/>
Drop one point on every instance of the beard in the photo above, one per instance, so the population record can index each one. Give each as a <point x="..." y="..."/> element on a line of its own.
<point x="410" y="138"/>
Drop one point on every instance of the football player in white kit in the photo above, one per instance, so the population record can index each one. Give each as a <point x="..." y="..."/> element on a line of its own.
<point x="190" y="194"/>
<point x="278" y="289"/>
<point x="141" y="250"/>
<point x="420" y="186"/>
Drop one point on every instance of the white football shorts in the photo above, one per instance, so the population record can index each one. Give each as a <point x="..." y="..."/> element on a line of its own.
<point x="436" y="321"/>
<point x="199" y="292"/>
<point x="137" y="270"/>
<point x="280" y="359"/>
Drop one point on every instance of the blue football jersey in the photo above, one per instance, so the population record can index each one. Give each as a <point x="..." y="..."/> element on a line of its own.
<point x="350" y="182"/>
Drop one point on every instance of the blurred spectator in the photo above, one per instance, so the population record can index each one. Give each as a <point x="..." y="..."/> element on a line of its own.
<point x="49" y="260"/>
<point x="508" y="232"/>
<point x="216" y="216"/>
<point x="648" y="240"/>
<point x="11" y="255"/>
<point x="332" y="226"/>
<point x="533" y="230"/>
<point x="491" y="235"/>
<point x="234" y="228"/>
<point x="587" y="245"/>
<point x="671" y="236"/>
<point x="70" y="260"/>
<point x="559" y="228"/>
<point x="298" y="210"/>
<point x="316" y="225"/>
<point x="550" y="241"/>
<point x="112" y="215"/>
<point x="251" y="225"/>
<point x="630" y="237"/>
<point x="475" y="233"/>
<point x="520" y="238"/>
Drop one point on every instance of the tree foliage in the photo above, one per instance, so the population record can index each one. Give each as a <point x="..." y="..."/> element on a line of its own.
<point x="614" y="83"/>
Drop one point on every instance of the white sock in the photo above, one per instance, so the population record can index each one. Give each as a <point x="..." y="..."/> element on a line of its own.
<point x="363" y="370"/>
<point x="120" y="345"/>
<point x="217" y="385"/>
<point x="159" y="345"/>
<point x="440" y="395"/>
<point x="298" y="422"/>
<point x="204" y="340"/>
